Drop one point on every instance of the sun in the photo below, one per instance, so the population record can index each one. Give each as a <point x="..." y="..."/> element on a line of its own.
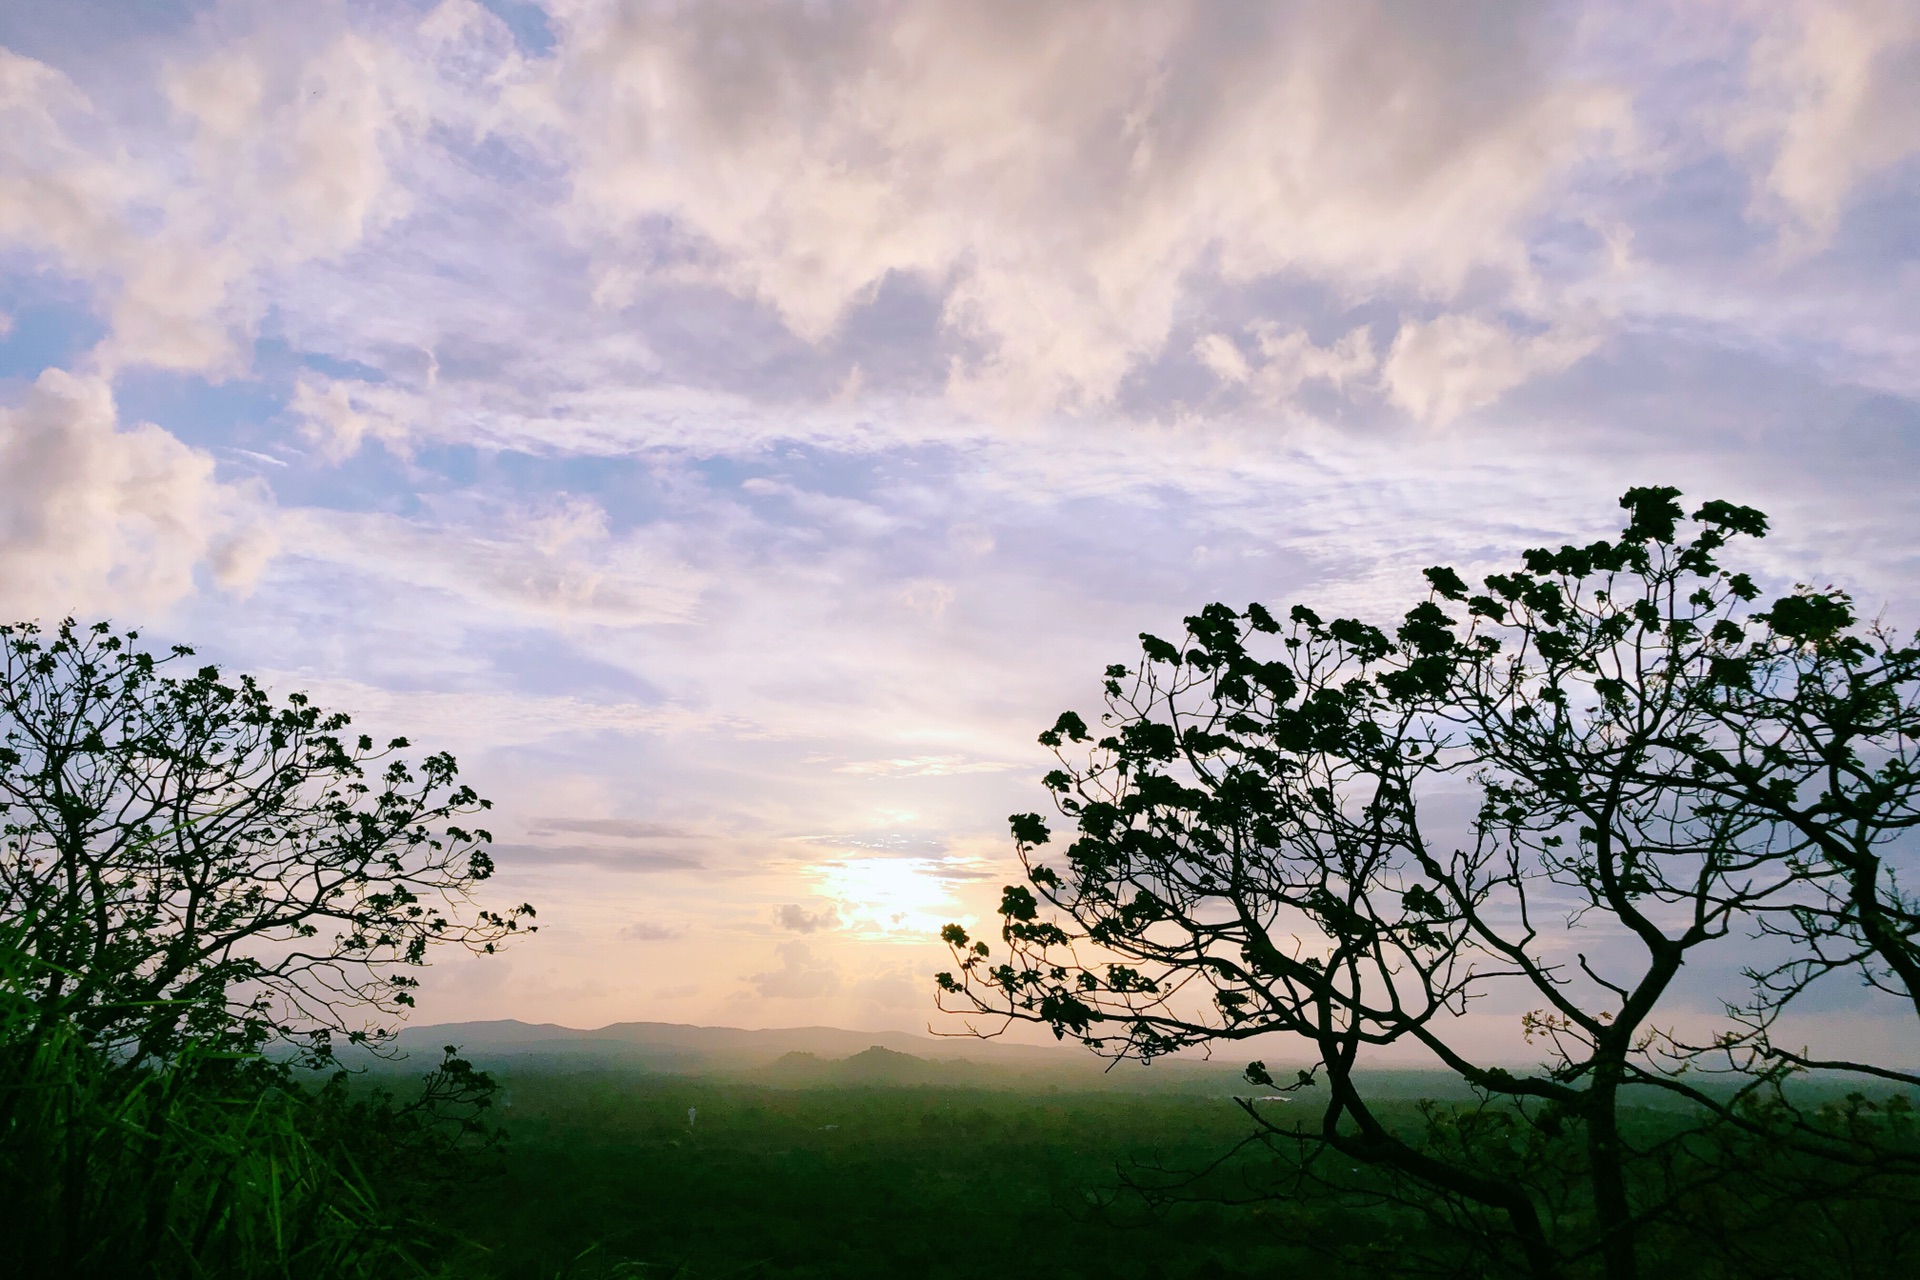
<point x="890" y="897"/>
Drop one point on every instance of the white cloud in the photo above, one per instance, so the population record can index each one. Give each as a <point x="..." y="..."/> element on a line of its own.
<point x="927" y="596"/>
<point x="95" y="515"/>
<point x="477" y="720"/>
<point x="650" y="931"/>
<point x="555" y="563"/>
<point x="279" y="147"/>
<point x="64" y="181"/>
<point x="1288" y="360"/>
<point x="341" y="414"/>
<point x="804" y="598"/>
<point x="69" y="189"/>
<point x="924" y="767"/>
<point x="1219" y="353"/>
<point x="1835" y="100"/>
<point x="297" y="131"/>
<point x="1450" y="365"/>
<point x="795" y="918"/>
<point x="801" y="975"/>
<point x="1061" y="172"/>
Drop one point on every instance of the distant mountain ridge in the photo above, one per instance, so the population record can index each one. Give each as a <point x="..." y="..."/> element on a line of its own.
<point x="878" y="1065"/>
<point x="731" y="1047"/>
<point x="793" y="1057"/>
<point x="832" y="1057"/>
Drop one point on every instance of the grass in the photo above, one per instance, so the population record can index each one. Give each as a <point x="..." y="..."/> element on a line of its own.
<point x="607" y="1177"/>
<point x="193" y="1170"/>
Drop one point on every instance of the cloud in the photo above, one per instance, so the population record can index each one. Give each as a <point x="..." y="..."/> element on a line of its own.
<point x="340" y="414"/>
<point x="609" y="857"/>
<point x="795" y="918"/>
<point x="924" y="767"/>
<point x="554" y="560"/>
<point x="621" y="827"/>
<point x="648" y="931"/>
<point x="626" y="846"/>
<point x="1453" y="364"/>
<point x="801" y="975"/>
<point x="926" y="596"/>
<point x="297" y="129"/>
<point x="482" y="718"/>
<point x="1288" y="360"/>
<point x="1060" y="173"/>
<point x="95" y="515"/>
<point x="1835" y="100"/>
<point x="1067" y="192"/>
<point x="895" y="989"/>
<point x="279" y="143"/>
<point x="64" y="181"/>
<point x="664" y="555"/>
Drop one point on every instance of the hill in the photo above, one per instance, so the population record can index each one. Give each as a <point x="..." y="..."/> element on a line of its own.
<point x="831" y="1057"/>
<point x="799" y="1057"/>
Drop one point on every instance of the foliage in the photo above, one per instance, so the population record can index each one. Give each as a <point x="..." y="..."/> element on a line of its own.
<point x="1038" y="1183"/>
<point x="191" y="861"/>
<point x="213" y="1164"/>
<point x="857" y="1183"/>
<point x="199" y="889"/>
<point x="1649" y="763"/>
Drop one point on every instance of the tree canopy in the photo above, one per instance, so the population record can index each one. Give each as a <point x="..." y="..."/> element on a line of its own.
<point x="188" y="858"/>
<point x="1550" y="794"/>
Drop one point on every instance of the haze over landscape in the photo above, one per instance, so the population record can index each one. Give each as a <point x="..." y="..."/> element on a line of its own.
<point x="735" y="431"/>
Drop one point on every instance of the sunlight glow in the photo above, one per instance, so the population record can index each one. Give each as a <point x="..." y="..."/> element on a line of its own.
<point x="892" y="897"/>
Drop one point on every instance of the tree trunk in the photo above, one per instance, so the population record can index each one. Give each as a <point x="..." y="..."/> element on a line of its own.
<point x="1618" y="1255"/>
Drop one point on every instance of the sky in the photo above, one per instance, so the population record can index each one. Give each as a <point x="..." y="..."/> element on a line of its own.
<point x="736" y="429"/>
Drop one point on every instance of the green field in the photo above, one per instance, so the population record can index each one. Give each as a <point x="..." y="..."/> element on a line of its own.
<point x="605" y="1170"/>
<point x="603" y="1175"/>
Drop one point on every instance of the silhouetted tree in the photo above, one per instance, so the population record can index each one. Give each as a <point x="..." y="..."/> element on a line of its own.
<point x="1556" y="790"/>
<point x="192" y="874"/>
<point x="186" y="859"/>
